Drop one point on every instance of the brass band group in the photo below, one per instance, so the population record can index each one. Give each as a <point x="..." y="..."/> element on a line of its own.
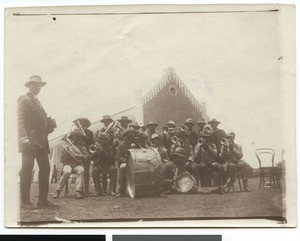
<point x="206" y="159"/>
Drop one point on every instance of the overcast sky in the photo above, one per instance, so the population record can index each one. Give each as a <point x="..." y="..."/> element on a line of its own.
<point x="228" y="60"/>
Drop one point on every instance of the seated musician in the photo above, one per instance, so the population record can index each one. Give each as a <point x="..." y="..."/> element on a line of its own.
<point x="129" y="142"/>
<point x="235" y="156"/>
<point x="134" y="125"/>
<point x="201" y="123"/>
<point x="189" y="165"/>
<point x="192" y="137"/>
<point x="164" y="155"/>
<point x="88" y="139"/>
<point x="106" y="120"/>
<point x="104" y="163"/>
<point x="168" y="132"/>
<point x="151" y="128"/>
<point x="73" y="164"/>
<point x="205" y="156"/>
<point x="225" y="157"/>
<point x="118" y="135"/>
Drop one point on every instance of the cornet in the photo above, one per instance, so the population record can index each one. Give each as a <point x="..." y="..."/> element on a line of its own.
<point x="94" y="148"/>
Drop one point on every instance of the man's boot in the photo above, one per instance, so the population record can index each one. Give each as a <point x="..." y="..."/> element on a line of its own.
<point x="245" y="185"/>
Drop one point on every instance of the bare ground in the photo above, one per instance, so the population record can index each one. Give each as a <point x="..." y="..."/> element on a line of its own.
<point x="258" y="203"/>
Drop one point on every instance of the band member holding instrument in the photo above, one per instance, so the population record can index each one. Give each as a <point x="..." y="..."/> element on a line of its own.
<point x="235" y="157"/>
<point x="225" y="157"/>
<point x="192" y="137"/>
<point x="135" y="126"/>
<point x="124" y="121"/>
<point x="205" y="155"/>
<point x="73" y="163"/>
<point x="104" y="163"/>
<point x="201" y="123"/>
<point x="121" y="157"/>
<point x="217" y="134"/>
<point x="151" y="128"/>
<point x="180" y="140"/>
<point x="33" y="129"/>
<point x="164" y="155"/>
<point x="106" y="120"/>
<point x="119" y="131"/>
<point x="88" y="139"/>
<point x="167" y="135"/>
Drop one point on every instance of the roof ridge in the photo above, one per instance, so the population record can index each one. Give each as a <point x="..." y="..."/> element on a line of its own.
<point x="164" y="81"/>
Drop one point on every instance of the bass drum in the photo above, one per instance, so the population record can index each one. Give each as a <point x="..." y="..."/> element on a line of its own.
<point x="145" y="173"/>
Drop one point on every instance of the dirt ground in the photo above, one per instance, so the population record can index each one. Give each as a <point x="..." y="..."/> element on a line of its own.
<point x="258" y="203"/>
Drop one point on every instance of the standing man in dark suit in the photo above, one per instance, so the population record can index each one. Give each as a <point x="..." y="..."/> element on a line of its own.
<point x="33" y="130"/>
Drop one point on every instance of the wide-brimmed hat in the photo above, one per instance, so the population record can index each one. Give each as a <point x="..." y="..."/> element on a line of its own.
<point x="155" y="136"/>
<point x="106" y="118"/>
<point x="124" y="119"/>
<point x="214" y="120"/>
<point x="152" y="123"/>
<point x="134" y="124"/>
<point x="171" y="123"/>
<point x="201" y="121"/>
<point x="129" y="131"/>
<point x="179" y="151"/>
<point x="84" y="120"/>
<point x="189" y="121"/>
<point x="35" y="79"/>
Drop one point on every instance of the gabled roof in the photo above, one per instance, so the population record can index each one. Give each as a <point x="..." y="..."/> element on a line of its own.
<point x="169" y="76"/>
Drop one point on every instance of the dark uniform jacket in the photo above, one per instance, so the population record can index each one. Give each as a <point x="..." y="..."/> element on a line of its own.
<point x="32" y="122"/>
<point x="217" y="136"/>
<point x="206" y="154"/>
<point x="192" y="139"/>
<point x="104" y="157"/>
<point x="89" y="139"/>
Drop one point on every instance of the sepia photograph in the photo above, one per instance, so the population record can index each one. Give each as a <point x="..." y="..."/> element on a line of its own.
<point x="150" y="114"/>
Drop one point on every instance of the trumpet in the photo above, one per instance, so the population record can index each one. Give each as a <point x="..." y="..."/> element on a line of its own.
<point x="72" y="149"/>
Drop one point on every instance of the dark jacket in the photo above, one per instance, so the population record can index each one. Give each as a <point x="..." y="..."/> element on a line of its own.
<point x="217" y="137"/>
<point x="205" y="153"/>
<point x="104" y="157"/>
<point x="192" y="139"/>
<point x="89" y="139"/>
<point x="32" y="123"/>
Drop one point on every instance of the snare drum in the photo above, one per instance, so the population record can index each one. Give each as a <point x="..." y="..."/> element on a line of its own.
<point x="145" y="173"/>
<point x="185" y="183"/>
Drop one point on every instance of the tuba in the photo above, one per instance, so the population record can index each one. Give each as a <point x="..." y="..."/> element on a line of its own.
<point x="71" y="148"/>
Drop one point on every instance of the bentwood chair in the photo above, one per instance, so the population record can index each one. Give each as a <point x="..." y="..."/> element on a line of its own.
<point x="265" y="157"/>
